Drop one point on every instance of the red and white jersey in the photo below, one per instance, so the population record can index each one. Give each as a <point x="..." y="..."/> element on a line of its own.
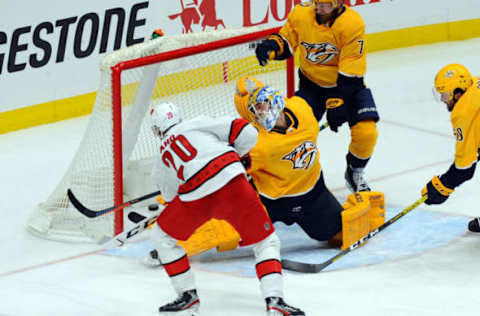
<point x="201" y="155"/>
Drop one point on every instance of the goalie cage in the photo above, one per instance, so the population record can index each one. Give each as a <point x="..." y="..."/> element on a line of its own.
<point x="195" y="71"/>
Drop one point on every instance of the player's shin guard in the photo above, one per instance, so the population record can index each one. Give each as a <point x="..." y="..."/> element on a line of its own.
<point x="268" y="266"/>
<point x="363" y="138"/>
<point x="174" y="260"/>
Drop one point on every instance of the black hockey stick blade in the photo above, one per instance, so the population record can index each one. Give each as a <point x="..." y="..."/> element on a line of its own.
<point x="305" y="267"/>
<point x="135" y="217"/>
<point x="96" y="213"/>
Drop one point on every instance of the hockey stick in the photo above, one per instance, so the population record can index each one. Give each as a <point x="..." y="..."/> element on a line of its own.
<point x="317" y="267"/>
<point x="323" y="126"/>
<point x="96" y="213"/>
<point x="122" y="238"/>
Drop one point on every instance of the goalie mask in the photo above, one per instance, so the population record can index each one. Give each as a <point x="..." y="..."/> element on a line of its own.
<point x="259" y="104"/>
<point x="164" y="116"/>
<point x="449" y="80"/>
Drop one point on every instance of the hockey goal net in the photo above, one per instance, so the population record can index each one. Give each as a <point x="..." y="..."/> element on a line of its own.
<point x="195" y="71"/>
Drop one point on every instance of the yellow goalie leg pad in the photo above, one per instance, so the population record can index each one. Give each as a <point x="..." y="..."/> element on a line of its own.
<point x="355" y="219"/>
<point x="363" y="213"/>
<point x="377" y="210"/>
<point x="214" y="233"/>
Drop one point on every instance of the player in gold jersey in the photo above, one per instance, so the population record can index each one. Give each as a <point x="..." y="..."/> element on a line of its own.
<point x="455" y="86"/>
<point x="330" y="39"/>
<point x="285" y="166"/>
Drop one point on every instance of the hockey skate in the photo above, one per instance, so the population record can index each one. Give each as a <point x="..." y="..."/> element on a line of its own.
<point x="186" y="304"/>
<point x="151" y="259"/>
<point x="474" y="225"/>
<point x="355" y="181"/>
<point x="276" y="306"/>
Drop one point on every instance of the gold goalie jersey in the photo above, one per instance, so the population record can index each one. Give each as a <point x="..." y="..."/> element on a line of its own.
<point x="287" y="163"/>
<point x="465" y="118"/>
<point x="327" y="49"/>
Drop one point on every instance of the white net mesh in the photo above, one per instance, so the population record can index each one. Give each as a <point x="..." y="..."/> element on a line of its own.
<point x="198" y="84"/>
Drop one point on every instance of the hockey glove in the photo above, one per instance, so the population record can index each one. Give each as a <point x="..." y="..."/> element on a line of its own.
<point x="264" y="50"/>
<point x="335" y="113"/>
<point x="437" y="191"/>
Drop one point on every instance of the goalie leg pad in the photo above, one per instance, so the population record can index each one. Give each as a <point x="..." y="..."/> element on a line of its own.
<point x="355" y="219"/>
<point x="377" y="210"/>
<point x="363" y="212"/>
<point x="214" y="233"/>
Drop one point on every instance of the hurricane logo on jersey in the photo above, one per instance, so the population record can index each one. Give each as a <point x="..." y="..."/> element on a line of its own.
<point x="320" y="53"/>
<point x="303" y="156"/>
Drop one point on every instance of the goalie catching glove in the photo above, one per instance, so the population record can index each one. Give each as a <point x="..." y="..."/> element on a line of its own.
<point x="437" y="191"/>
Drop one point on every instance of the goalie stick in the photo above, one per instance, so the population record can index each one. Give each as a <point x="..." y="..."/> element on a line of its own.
<point x="317" y="267"/>
<point x="96" y="213"/>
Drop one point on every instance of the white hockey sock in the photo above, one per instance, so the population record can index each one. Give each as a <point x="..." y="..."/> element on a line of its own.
<point x="268" y="266"/>
<point x="174" y="260"/>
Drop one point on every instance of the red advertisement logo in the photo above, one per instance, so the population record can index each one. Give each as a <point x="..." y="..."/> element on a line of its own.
<point x="204" y="14"/>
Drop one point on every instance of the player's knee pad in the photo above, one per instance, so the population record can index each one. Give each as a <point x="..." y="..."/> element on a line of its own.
<point x="364" y="136"/>
<point x="269" y="248"/>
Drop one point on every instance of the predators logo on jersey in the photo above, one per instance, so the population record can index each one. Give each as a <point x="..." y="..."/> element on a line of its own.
<point x="303" y="156"/>
<point x="326" y="49"/>
<point x="320" y="53"/>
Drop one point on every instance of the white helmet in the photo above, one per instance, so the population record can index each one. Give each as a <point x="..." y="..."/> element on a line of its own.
<point x="163" y="116"/>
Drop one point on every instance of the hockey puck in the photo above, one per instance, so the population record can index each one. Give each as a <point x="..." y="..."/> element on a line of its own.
<point x="153" y="207"/>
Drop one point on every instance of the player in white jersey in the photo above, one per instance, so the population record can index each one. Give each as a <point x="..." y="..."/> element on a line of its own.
<point x="201" y="177"/>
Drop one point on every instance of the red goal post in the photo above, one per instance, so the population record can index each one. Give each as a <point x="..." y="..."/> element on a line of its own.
<point x="112" y="164"/>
